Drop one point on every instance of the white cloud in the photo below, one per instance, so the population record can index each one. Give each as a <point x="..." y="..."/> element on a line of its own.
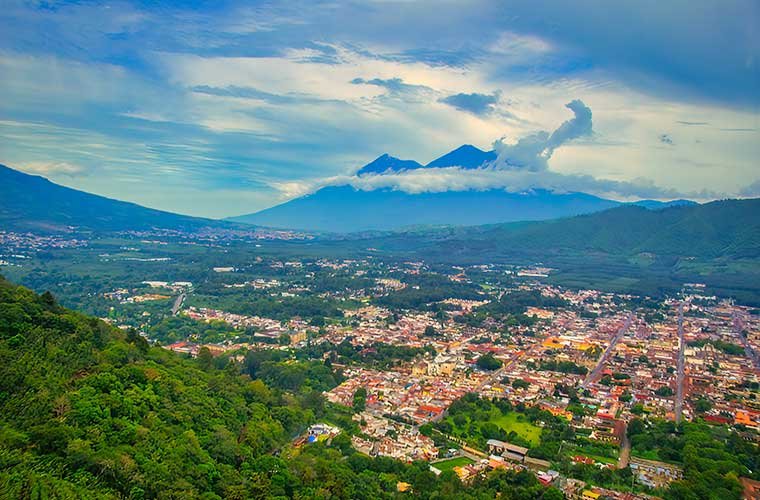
<point x="51" y="168"/>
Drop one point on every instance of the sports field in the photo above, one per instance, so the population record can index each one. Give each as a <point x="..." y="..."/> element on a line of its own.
<point x="517" y="422"/>
<point x="445" y="465"/>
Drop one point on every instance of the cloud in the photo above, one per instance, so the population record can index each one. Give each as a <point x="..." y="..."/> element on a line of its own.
<point x="519" y="167"/>
<point x="477" y="104"/>
<point x="264" y="95"/>
<point x="256" y="94"/>
<point x="438" y="180"/>
<point x="751" y="190"/>
<point x="392" y="85"/>
<point x="534" y="151"/>
<point x="666" y="139"/>
<point x="52" y="168"/>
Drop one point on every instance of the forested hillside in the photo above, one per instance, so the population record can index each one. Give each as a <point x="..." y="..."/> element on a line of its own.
<point x="728" y="228"/>
<point x="624" y="249"/>
<point x="89" y="411"/>
<point x="33" y="203"/>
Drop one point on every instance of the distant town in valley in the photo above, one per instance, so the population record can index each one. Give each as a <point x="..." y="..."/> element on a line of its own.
<point x="380" y="250"/>
<point x="469" y="368"/>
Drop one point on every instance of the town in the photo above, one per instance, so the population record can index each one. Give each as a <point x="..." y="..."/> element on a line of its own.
<point x="468" y="368"/>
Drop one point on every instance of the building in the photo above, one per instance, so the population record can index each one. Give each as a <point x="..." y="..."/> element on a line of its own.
<point x="507" y="450"/>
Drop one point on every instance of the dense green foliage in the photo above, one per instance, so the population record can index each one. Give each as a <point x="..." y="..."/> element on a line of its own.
<point x="477" y="420"/>
<point x="175" y="328"/>
<point x="517" y="302"/>
<point x="262" y="304"/>
<point x="376" y="355"/>
<point x="625" y="249"/>
<point x="88" y="411"/>
<point x="713" y="457"/>
<point x="562" y="367"/>
<point x="425" y="289"/>
<point x="94" y="412"/>
<point x="726" y="347"/>
<point x="488" y="362"/>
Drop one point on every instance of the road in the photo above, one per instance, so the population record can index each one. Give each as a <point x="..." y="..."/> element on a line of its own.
<point x="178" y="303"/>
<point x="739" y="328"/>
<point x="625" y="450"/>
<point x="593" y="376"/>
<point x="499" y="374"/>
<point x="678" y="409"/>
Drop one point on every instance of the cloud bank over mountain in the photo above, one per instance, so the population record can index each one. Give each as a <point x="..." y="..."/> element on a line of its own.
<point x="202" y="107"/>
<point x="518" y="167"/>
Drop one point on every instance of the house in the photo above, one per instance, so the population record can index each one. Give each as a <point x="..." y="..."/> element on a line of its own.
<point x="507" y="450"/>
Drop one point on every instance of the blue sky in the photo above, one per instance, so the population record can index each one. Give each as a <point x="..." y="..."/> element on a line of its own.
<point x="224" y="108"/>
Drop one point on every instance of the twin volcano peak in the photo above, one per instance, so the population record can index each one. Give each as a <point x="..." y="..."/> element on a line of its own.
<point x="465" y="156"/>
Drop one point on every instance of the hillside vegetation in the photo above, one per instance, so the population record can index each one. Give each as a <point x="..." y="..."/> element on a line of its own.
<point x="33" y="203"/>
<point x="624" y="249"/>
<point x="89" y="411"/>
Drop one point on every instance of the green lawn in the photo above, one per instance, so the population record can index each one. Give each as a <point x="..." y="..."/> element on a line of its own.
<point x="445" y="465"/>
<point x="521" y="425"/>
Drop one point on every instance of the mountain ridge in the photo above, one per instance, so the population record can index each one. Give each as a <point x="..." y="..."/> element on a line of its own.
<point x="32" y="202"/>
<point x="346" y="208"/>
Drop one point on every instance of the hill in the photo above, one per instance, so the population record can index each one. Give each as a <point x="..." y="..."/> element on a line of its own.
<point x="625" y="249"/>
<point x="345" y="208"/>
<point x="729" y="228"/>
<point x="31" y="202"/>
<point x="91" y="412"/>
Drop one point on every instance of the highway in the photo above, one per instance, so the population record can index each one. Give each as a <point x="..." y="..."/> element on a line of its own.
<point x="678" y="409"/>
<point x="593" y="376"/>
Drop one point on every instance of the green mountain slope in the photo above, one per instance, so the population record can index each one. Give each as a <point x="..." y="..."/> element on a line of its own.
<point x="625" y="249"/>
<point x="729" y="228"/>
<point x="88" y="411"/>
<point x="30" y="202"/>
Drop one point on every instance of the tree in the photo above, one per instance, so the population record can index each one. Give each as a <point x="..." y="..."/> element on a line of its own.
<point x="702" y="405"/>
<point x="488" y="362"/>
<point x="205" y="358"/>
<point x="520" y="383"/>
<point x="360" y="400"/>
<point x="664" y="391"/>
<point x="636" y="426"/>
<point x="430" y="331"/>
<point x="637" y="409"/>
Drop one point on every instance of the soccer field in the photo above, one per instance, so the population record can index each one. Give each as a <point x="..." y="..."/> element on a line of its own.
<point x="516" y="422"/>
<point x="445" y="465"/>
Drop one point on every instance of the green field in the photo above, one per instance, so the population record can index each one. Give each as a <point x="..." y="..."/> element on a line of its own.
<point x="445" y="465"/>
<point x="521" y="425"/>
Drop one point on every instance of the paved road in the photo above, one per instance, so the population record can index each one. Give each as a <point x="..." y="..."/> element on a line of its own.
<point x="178" y="303"/>
<point x="625" y="450"/>
<point x="499" y="374"/>
<point x="678" y="409"/>
<point x="738" y="328"/>
<point x="593" y="376"/>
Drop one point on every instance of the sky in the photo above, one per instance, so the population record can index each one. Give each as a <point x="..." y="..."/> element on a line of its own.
<point x="217" y="108"/>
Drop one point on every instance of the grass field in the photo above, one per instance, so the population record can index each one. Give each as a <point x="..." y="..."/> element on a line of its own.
<point x="445" y="465"/>
<point x="521" y="425"/>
